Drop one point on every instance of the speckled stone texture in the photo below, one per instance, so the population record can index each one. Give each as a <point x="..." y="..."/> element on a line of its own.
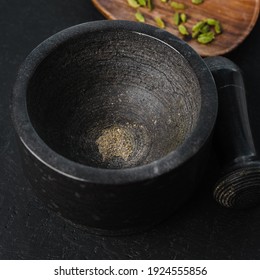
<point x="124" y="79"/>
<point x="82" y="85"/>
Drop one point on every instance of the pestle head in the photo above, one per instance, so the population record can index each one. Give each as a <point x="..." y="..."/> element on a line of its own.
<point x="239" y="188"/>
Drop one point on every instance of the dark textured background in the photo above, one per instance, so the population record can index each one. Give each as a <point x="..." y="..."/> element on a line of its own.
<point x="199" y="230"/>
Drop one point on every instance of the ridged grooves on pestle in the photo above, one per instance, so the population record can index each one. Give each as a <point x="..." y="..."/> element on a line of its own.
<point x="239" y="189"/>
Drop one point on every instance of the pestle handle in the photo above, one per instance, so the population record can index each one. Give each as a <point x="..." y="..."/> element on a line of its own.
<point x="239" y="185"/>
<point x="233" y="133"/>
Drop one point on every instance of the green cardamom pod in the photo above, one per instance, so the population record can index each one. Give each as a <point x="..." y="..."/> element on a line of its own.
<point x="205" y="29"/>
<point x="176" y="18"/>
<point x="183" y="30"/>
<point x="159" y="22"/>
<point x="133" y="3"/>
<point x="206" y="38"/>
<point x="218" y="28"/>
<point x="139" y="17"/>
<point x="177" y="5"/>
<point x="198" y="25"/>
<point x="142" y="2"/>
<point x="197" y="2"/>
<point x="183" y="17"/>
<point x="211" y="21"/>
<point x="150" y="4"/>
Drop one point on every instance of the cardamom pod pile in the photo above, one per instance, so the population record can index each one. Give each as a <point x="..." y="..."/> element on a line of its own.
<point x="203" y="31"/>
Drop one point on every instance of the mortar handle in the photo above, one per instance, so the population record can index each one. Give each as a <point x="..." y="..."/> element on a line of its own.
<point x="239" y="185"/>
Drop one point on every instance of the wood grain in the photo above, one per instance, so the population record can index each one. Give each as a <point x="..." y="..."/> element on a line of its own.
<point x="237" y="17"/>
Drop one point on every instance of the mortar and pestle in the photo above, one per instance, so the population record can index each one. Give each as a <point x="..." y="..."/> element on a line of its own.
<point x="115" y="119"/>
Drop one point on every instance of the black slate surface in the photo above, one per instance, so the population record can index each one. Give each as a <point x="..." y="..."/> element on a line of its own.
<point x="199" y="230"/>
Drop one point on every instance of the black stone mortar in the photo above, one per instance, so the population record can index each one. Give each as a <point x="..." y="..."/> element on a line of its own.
<point x="114" y="121"/>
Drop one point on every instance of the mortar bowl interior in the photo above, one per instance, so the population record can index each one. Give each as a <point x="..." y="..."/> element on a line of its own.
<point x="114" y="100"/>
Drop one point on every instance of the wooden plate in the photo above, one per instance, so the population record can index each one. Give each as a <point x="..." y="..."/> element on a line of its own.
<point x="237" y="17"/>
